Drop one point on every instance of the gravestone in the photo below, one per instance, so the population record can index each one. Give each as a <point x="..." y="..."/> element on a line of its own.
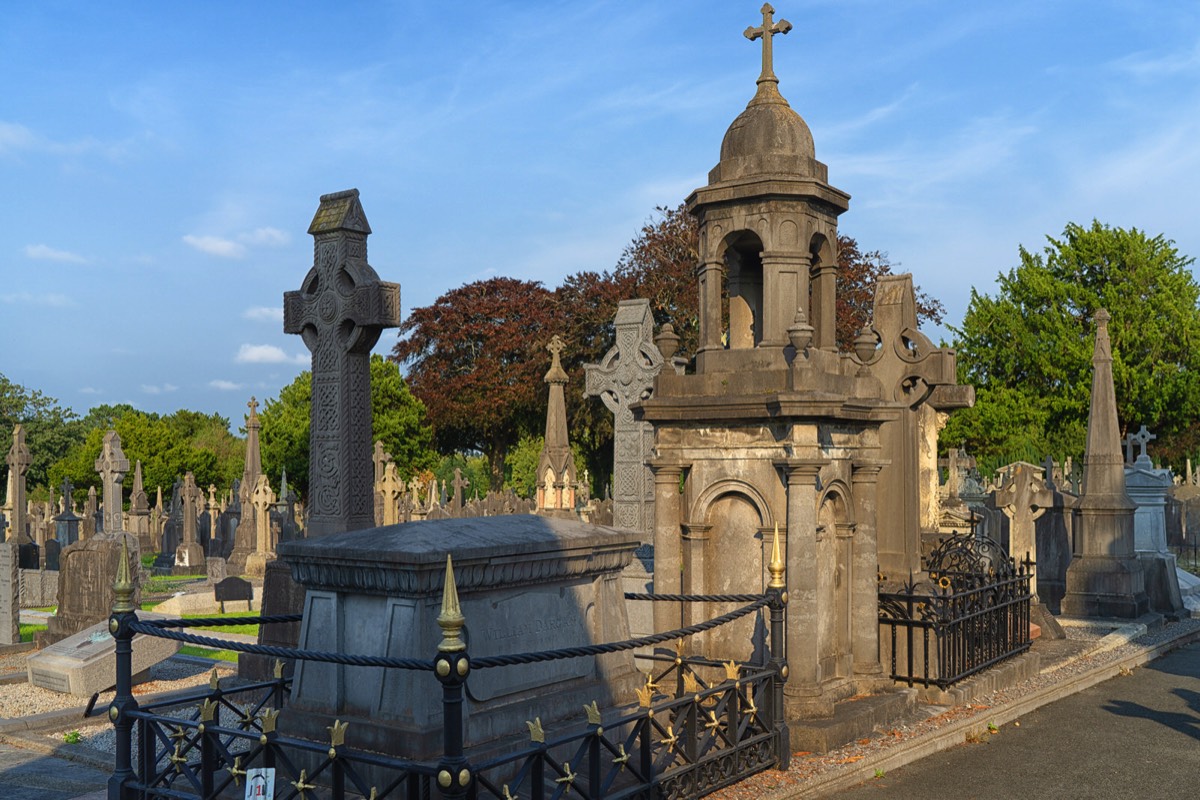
<point x="261" y="499"/>
<point x="10" y="593"/>
<point x="86" y="662"/>
<point x="388" y="492"/>
<point x="1105" y="578"/>
<point x="556" y="464"/>
<point x="53" y="551"/>
<point x="189" y="556"/>
<point x="93" y="518"/>
<point x="216" y="569"/>
<point x="340" y="311"/>
<point x="18" y="461"/>
<point x="1024" y="497"/>
<point x="459" y="484"/>
<point x="623" y="377"/>
<point x="85" y="594"/>
<point x="234" y="590"/>
<point x="1148" y="488"/>
<point x="525" y="583"/>
<point x="112" y="466"/>
<point x="246" y="540"/>
<point x="139" y="512"/>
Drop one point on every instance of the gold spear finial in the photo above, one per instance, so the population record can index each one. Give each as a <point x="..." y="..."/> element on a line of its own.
<point x="451" y="619"/>
<point x="776" y="567"/>
<point x="123" y="586"/>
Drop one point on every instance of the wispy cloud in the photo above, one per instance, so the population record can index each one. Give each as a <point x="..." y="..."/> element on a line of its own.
<point x="89" y="390"/>
<point x="165" y="388"/>
<point x="236" y="247"/>
<point x="267" y="354"/>
<point x="267" y="237"/>
<point x="263" y="314"/>
<point x="224" y="385"/>
<point x="16" y="138"/>
<point x="1153" y="65"/>
<point x="43" y="252"/>
<point x="48" y="299"/>
<point x="215" y="246"/>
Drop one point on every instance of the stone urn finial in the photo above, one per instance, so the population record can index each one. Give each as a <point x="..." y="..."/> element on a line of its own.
<point x="800" y="333"/>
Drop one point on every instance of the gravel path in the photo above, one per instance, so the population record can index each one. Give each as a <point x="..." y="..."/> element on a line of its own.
<point x="23" y="699"/>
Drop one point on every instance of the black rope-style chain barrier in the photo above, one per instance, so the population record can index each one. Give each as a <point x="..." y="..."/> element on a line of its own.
<point x="151" y="629"/>
<point x="161" y="628"/>
<point x="616" y="647"/>
<point x="695" y="598"/>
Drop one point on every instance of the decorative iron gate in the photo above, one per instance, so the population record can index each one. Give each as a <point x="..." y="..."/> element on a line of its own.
<point x="720" y="722"/>
<point x="972" y="613"/>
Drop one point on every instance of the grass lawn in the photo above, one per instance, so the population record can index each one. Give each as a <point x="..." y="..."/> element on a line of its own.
<point x="204" y="652"/>
<point x="247" y="628"/>
<point x="27" y="631"/>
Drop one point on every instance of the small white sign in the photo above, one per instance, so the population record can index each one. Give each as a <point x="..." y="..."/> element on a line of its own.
<point x="260" y="783"/>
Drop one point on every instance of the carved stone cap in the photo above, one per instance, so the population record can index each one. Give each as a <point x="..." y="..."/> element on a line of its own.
<point x="489" y="553"/>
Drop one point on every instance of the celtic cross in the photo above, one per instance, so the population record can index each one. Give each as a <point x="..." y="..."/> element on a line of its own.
<point x="340" y="311"/>
<point x="766" y="32"/>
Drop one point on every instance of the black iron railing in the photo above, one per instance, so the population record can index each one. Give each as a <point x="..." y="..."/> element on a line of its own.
<point x="722" y="722"/>
<point x="972" y="613"/>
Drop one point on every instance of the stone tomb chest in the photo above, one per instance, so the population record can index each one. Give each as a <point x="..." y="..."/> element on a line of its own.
<point x="86" y="662"/>
<point x="525" y="583"/>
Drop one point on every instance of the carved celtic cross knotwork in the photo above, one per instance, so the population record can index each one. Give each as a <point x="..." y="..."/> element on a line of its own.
<point x="767" y="32"/>
<point x="625" y="376"/>
<point x="1143" y="437"/>
<point x="340" y="311"/>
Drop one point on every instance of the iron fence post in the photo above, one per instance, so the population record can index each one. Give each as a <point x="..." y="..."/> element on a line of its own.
<point x="124" y="612"/>
<point x="777" y="590"/>
<point x="451" y="667"/>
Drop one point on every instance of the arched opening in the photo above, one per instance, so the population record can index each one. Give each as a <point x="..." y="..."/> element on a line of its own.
<point x="744" y="288"/>
<point x="822" y="292"/>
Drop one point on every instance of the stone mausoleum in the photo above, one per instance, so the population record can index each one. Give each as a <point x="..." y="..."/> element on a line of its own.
<point x="777" y="428"/>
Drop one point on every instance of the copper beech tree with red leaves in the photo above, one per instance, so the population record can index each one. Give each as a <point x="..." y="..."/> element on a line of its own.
<point x="473" y="358"/>
<point x="476" y="356"/>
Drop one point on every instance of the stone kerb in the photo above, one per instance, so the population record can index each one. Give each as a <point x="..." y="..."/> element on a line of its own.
<point x="526" y="583"/>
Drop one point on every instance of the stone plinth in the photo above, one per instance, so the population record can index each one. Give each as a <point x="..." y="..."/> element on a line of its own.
<point x="85" y="595"/>
<point x="525" y="583"/>
<point x="86" y="662"/>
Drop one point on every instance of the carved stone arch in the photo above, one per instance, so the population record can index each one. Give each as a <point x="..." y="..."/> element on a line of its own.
<point x="837" y="495"/>
<point x="822" y="250"/>
<point x="741" y="253"/>
<point x="715" y="491"/>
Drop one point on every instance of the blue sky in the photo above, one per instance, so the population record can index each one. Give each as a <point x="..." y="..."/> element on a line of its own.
<point x="163" y="160"/>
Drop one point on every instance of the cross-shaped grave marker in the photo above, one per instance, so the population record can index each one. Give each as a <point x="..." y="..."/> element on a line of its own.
<point x="340" y="310"/>
<point x="767" y="32"/>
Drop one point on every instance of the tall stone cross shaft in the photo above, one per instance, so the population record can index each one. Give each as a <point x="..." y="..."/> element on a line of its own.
<point x="625" y="376"/>
<point x="767" y="32"/>
<point x="112" y="466"/>
<point x="340" y="311"/>
<point x="18" y="461"/>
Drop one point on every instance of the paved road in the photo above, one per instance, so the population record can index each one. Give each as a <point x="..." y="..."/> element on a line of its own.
<point x="1129" y="737"/>
<point x="31" y="776"/>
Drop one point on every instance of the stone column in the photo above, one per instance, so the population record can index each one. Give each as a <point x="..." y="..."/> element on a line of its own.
<point x="712" y="274"/>
<point x="865" y="592"/>
<point x="694" y="541"/>
<point x="802" y="691"/>
<point x="825" y="299"/>
<point x="668" y="553"/>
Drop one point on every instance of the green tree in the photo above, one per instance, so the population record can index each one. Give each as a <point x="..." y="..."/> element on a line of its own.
<point x="397" y="420"/>
<point x="522" y="463"/>
<point x="50" y="430"/>
<point x="1028" y="349"/>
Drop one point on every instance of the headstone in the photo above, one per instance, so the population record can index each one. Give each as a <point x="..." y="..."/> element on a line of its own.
<point x="556" y="464"/>
<point x="215" y="565"/>
<point x="246" y="541"/>
<point x="139" y="512"/>
<point x="10" y="593"/>
<point x="1148" y="488"/>
<point x="86" y="662"/>
<point x="112" y="466"/>
<point x="389" y="490"/>
<point x="18" y="461"/>
<point x="234" y="590"/>
<point x="85" y="594"/>
<point x="459" y="484"/>
<point x="625" y="376"/>
<point x="340" y="311"/>
<point x="1105" y="578"/>
<point x="189" y="556"/>
<point x="261" y="499"/>
<point x="53" y="552"/>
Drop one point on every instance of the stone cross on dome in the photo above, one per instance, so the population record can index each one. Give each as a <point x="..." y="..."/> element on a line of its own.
<point x="766" y="32"/>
